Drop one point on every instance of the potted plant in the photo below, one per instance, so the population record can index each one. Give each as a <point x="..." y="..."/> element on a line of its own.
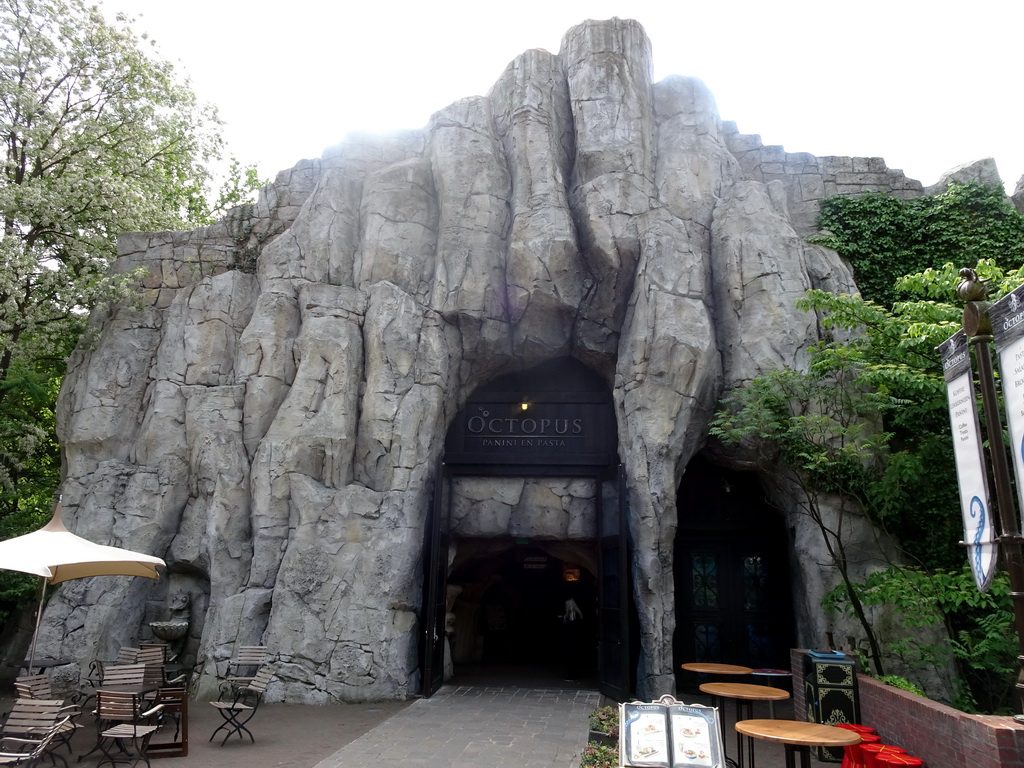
<point x="599" y="756"/>
<point x="604" y="727"/>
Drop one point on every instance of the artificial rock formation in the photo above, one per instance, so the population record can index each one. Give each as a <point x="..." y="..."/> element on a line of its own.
<point x="269" y="420"/>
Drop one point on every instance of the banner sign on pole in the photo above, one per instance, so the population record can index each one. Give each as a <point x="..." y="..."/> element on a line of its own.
<point x="1007" y="317"/>
<point x="979" y="531"/>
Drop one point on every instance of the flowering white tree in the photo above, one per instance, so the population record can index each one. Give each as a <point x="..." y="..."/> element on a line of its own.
<point x="99" y="137"/>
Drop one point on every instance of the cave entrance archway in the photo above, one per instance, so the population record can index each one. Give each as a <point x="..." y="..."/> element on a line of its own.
<point x="732" y="586"/>
<point x="508" y="611"/>
<point x="529" y="511"/>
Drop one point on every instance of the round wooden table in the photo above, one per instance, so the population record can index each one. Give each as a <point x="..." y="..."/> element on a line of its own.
<point x="745" y="695"/>
<point x="797" y="736"/>
<point x="711" y="668"/>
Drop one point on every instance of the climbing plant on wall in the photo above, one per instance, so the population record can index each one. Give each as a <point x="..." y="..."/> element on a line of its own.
<point x="886" y="237"/>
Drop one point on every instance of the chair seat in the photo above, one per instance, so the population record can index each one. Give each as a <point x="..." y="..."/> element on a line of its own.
<point x="128" y="731"/>
<point x="230" y="705"/>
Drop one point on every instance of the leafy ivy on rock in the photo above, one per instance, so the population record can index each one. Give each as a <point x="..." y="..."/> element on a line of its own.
<point x="887" y="237"/>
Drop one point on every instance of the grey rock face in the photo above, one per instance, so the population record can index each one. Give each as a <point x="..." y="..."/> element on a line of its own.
<point x="270" y="421"/>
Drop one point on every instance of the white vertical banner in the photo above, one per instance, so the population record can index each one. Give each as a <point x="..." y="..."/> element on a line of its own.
<point x="979" y="531"/>
<point x="1007" y="317"/>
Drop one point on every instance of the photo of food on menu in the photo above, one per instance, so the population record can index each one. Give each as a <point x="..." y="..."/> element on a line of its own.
<point x="669" y="735"/>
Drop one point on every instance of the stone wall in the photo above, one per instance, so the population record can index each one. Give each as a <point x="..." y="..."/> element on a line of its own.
<point x="807" y="179"/>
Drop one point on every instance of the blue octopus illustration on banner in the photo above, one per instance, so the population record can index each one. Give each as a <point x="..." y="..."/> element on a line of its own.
<point x="978" y="512"/>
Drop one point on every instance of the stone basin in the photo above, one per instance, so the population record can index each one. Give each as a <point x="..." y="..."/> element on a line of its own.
<point x="169" y="631"/>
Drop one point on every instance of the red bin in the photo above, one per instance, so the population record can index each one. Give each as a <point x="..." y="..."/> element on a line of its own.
<point x="885" y="760"/>
<point x="856" y="727"/>
<point x="872" y="751"/>
<point x="852" y="757"/>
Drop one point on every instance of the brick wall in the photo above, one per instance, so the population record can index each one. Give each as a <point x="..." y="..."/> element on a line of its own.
<point x="941" y="736"/>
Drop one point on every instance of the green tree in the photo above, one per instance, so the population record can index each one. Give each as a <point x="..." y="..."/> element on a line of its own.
<point x="868" y="422"/>
<point x="100" y="137"/>
<point x="817" y="430"/>
<point x="883" y="352"/>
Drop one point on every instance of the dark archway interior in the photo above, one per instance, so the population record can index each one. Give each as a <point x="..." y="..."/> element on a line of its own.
<point x="732" y="584"/>
<point x="510" y="612"/>
<point x="509" y="581"/>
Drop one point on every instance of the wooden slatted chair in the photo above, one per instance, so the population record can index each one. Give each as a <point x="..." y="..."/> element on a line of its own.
<point x="154" y="657"/>
<point x="124" y="726"/>
<point x="125" y="655"/>
<point x="38" y="688"/>
<point x="123" y="674"/>
<point x="33" y="687"/>
<point x="246" y="663"/>
<point x="242" y="706"/>
<point x="153" y="674"/>
<point x="242" y="669"/>
<point x="151" y="655"/>
<point x="28" y="752"/>
<point x="31" y="719"/>
<point x="165" y="650"/>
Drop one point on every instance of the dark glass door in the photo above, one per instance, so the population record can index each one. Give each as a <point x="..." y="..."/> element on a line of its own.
<point x="613" y="651"/>
<point x="435" y="584"/>
<point x="732" y="601"/>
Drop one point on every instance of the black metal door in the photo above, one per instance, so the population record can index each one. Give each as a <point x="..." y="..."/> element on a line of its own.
<point x="435" y="583"/>
<point x="613" y="652"/>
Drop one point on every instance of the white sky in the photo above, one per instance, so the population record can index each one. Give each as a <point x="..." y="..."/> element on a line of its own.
<point x="925" y="84"/>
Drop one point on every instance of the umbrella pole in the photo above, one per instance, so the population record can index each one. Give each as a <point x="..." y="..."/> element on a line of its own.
<point x="39" y="616"/>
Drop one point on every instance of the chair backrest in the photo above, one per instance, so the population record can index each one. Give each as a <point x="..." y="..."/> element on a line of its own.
<point x="153" y="674"/>
<point x="250" y="656"/>
<point x="261" y="681"/>
<point x="45" y="742"/>
<point x="33" y="687"/>
<point x="152" y="654"/>
<point x="165" y="650"/>
<point x="115" y="705"/>
<point x="124" y="674"/>
<point x="126" y="655"/>
<point x="31" y="718"/>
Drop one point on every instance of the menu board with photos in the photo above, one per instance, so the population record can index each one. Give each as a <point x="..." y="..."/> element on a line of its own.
<point x="669" y="734"/>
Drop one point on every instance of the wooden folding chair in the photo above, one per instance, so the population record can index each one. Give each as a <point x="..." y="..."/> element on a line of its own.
<point x="29" y="751"/>
<point x="33" y="687"/>
<point x="148" y="648"/>
<point x="151" y="655"/>
<point x="242" y="706"/>
<point x="31" y="719"/>
<point x="125" y="655"/>
<point x="124" y="726"/>
<point x="123" y="675"/>
<point x="242" y="669"/>
<point x="153" y="675"/>
<point x="246" y="663"/>
<point x="37" y="707"/>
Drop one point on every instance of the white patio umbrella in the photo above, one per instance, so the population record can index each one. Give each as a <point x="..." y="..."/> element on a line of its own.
<point x="55" y="554"/>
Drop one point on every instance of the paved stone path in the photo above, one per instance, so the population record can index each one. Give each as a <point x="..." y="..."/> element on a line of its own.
<point x="477" y="727"/>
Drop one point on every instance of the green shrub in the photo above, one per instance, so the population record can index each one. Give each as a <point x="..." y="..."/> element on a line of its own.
<point x="605" y="720"/>
<point x="599" y="756"/>
<point x="902" y="683"/>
